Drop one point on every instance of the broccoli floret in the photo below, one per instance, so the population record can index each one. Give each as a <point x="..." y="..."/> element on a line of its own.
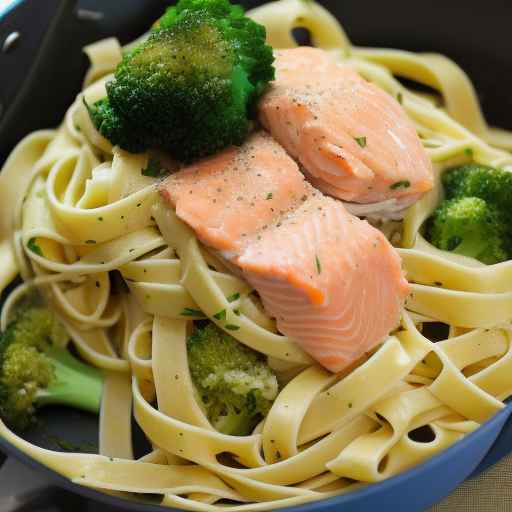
<point x="191" y="86"/>
<point x="475" y="180"/>
<point x="235" y="383"/>
<point x="36" y="369"/>
<point x="470" y="226"/>
<point x="475" y="219"/>
<point x="110" y="125"/>
<point x="243" y="34"/>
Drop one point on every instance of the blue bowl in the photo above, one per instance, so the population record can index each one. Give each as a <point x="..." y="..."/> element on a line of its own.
<point x="414" y="490"/>
<point x="428" y="483"/>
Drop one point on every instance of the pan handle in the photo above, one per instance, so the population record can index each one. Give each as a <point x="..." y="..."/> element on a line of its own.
<point x="41" y="60"/>
<point x="31" y="33"/>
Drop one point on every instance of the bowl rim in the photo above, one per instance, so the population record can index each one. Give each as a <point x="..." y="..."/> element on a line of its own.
<point x="439" y="459"/>
<point x="369" y="490"/>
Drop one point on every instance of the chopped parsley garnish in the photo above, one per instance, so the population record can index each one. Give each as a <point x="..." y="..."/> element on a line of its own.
<point x="469" y="152"/>
<point x="221" y="315"/>
<point x="233" y="297"/>
<point x="400" y="184"/>
<point x="269" y="196"/>
<point x="32" y="246"/>
<point x="90" y="242"/>
<point x="154" y="169"/>
<point x="191" y="312"/>
<point x="400" y="98"/>
<point x="231" y="327"/>
<point x="318" y="264"/>
<point x="361" y="141"/>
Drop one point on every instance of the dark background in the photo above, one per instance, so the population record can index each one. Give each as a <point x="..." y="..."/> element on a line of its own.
<point x="41" y="75"/>
<point x="477" y="34"/>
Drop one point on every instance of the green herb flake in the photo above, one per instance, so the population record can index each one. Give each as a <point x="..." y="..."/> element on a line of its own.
<point x="431" y="145"/>
<point x="269" y="196"/>
<point x="233" y="297"/>
<point x="361" y="141"/>
<point x="191" y="312"/>
<point x="469" y="152"/>
<point x="154" y="169"/>
<point x="318" y="264"/>
<point x="237" y="312"/>
<point x="66" y="446"/>
<point x="90" y="242"/>
<point x="400" y="184"/>
<point x="231" y="327"/>
<point x="32" y="246"/>
<point x="221" y="315"/>
<point x="400" y="98"/>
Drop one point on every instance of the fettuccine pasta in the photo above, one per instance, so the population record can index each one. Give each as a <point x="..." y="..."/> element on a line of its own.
<point x="91" y="211"/>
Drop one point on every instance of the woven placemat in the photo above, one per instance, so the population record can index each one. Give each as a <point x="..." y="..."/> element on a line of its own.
<point x="489" y="492"/>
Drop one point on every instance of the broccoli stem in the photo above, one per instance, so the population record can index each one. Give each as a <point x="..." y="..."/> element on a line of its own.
<point x="235" y="424"/>
<point x="469" y="246"/>
<point x="75" y="384"/>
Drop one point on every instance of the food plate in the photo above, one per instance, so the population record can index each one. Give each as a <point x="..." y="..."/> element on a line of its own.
<point x="442" y="473"/>
<point x="405" y="492"/>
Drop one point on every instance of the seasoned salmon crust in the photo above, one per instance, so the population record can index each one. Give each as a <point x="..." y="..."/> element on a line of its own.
<point x="332" y="281"/>
<point x="353" y="140"/>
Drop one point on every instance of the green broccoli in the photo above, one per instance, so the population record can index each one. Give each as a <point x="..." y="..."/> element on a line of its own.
<point x="191" y="86"/>
<point x="36" y="369"/>
<point x="235" y="384"/>
<point x="475" y="219"/>
<point x="472" y="227"/>
<point x="487" y="183"/>
<point x="110" y="125"/>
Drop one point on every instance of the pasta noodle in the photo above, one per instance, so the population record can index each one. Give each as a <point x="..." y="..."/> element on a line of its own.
<point x="92" y="211"/>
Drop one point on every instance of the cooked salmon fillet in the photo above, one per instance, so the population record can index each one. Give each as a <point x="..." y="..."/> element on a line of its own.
<point x="332" y="281"/>
<point x="230" y="196"/>
<point x="354" y="141"/>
